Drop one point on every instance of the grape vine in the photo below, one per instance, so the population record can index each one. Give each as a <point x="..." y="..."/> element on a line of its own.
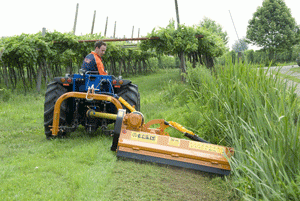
<point x="31" y="59"/>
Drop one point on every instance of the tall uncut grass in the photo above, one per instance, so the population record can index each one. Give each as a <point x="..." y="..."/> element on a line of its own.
<point x="257" y="114"/>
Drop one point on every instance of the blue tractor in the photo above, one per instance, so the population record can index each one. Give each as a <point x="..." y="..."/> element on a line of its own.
<point x="73" y="110"/>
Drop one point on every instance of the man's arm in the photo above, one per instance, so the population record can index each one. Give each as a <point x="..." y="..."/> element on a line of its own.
<point x="89" y="63"/>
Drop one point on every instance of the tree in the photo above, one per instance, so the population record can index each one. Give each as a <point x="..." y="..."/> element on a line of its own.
<point x="214" y="27"/>
<point x="210" y="46"/>
<point x="240" y="45"/>
<point x="272" y="27"/>
<point x="175" y="41"/>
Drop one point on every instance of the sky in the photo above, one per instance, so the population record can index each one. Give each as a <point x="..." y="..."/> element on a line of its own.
<point x="30" y="16"/>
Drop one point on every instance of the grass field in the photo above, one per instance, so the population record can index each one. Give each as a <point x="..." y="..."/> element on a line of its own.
<point x="82" y="167"/>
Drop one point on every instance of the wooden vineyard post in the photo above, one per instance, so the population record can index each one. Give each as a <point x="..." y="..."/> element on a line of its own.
<point x="177" y="13"/>
<point x="181" y="54"/>
<point x="93" y="22"/>
<point x="132" y="31"/>
<point x="240" y="57"/>
<point x="182" y="66"/>
<point x="75" y="21"/>
<point x="106" y="26"/>
<point x="115" y="29"/>
<point x="40" y="69"/>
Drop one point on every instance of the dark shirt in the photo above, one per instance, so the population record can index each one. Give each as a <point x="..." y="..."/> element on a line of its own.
<point x="89" y="63"/>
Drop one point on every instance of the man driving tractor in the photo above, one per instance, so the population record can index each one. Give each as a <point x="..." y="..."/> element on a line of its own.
<point x="93" y="61"/>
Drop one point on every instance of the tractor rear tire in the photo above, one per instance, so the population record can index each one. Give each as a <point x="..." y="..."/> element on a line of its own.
<point x="131" y="94"/>
<point x="53" y="92"/>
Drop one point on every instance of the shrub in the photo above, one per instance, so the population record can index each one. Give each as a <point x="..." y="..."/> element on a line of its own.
<point x="5" y="95"/>
<point x="298" y="60"/>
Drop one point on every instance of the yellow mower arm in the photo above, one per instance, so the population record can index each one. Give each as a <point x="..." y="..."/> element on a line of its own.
<point x="186" y="132"/>
<point x="164" y="124"/>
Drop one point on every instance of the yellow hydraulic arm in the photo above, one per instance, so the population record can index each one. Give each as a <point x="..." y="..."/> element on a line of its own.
<point x="90" y="96"/>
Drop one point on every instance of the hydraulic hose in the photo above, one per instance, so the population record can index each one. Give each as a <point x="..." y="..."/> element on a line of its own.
<point x="186" y="132"/>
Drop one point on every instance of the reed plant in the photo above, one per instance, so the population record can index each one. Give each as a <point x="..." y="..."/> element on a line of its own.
<point x="257" y="113"/>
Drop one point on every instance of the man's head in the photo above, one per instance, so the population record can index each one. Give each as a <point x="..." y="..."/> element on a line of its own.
<point x="100" y="48"/>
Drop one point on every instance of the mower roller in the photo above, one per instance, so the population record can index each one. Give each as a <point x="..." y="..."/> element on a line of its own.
<point x="134" y="139"/>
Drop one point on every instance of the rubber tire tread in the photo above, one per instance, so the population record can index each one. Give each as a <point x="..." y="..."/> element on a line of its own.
<point x="53" y="92"/>
<point x="131" y="95"/>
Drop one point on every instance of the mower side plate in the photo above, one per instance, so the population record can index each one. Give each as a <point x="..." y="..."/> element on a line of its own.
<point x="174" y="151"/>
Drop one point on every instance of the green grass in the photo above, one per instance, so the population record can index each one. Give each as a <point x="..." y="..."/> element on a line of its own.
<point x="297" y="69"/>
<point x="82" y="167"/>
<point x="287" y="63"/>
<point x="240" y="106"/>
<point x="258" y="115"/>
<point x="290" y="77"/>
<point x="166" y="184"/>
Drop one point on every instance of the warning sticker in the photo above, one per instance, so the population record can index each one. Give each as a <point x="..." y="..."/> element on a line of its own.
<point x="144" y="137"/>
<point x="206" y="147"/>
<point x="120" y="113"/>
<point x="174" y="141"/>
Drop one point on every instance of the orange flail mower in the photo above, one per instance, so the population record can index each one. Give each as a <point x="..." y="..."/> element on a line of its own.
<point x="134" y="139"/>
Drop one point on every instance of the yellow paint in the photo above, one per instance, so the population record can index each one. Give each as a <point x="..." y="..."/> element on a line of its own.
<point x="206" y="147"/>
<point x="144" y="137"/>
<point x="109" y="98"/>
<point x="180" y="127"/>
<point x="126" y="104"/>
<point x="174" y="141"/>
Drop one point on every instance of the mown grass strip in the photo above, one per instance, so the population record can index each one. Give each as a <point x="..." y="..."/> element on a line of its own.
<point x="82" y="167"/>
